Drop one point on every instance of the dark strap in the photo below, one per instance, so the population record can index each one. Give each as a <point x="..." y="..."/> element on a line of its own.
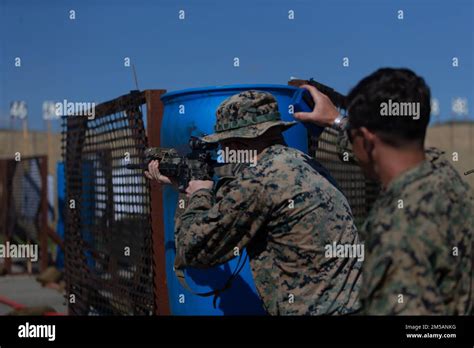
<point x="182" y="280"/>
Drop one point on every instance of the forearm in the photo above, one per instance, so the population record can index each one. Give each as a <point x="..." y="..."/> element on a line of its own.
<point x="209" y="232"/>
<point x="193" y="228"/>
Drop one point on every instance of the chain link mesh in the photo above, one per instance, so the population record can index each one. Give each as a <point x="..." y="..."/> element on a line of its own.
<point x="360" y="192"/>
<point x="108" y="237"/>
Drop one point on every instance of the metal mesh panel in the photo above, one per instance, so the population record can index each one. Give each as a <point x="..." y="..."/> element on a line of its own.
<point x="108" y="232"/>
<point x="21" y="197"/>
<point x="360" y="192"/>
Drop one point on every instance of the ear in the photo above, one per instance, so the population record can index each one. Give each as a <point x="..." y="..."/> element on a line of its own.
<point x="369" y="139"/>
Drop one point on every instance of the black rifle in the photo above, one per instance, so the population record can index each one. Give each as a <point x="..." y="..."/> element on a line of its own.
<point x="197" y="165"/>
<point x="337" y="98"/>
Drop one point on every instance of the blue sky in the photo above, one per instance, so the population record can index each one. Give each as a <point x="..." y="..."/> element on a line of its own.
<point x="82" y="59"/>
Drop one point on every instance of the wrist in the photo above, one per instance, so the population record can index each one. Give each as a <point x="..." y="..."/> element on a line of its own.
<point x="331" y="116"/>
<point x="339" y="123"/>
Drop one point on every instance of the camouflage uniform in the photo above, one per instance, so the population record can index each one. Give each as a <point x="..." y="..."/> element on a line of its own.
<point x="284" y="210"/>
<point x="423" y="251"/>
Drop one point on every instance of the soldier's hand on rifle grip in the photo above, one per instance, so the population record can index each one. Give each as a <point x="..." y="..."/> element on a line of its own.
<point x="324" y="112"/>
<point x="153" y="173"/>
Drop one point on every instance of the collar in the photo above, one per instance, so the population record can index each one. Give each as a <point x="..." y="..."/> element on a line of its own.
<point x="423" y="169"/>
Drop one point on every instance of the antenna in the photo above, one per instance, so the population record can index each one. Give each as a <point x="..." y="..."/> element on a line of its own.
<point x="135" y="76"/>
<point x="136" y="85"/>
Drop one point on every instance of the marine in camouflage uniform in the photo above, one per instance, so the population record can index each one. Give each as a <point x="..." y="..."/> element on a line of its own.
<point x="284" y="210"/>
<point x="419" y="238"/>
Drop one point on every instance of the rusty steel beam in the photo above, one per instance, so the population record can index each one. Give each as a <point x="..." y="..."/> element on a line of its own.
<point x="119" y="103"/>
<point x="73" y="254"/>
<point x="154" y="115"/>
<point x="118" y="125"/>
<point x="55" y="237"/>
<point x="6" y="171"/>
<point x="3" y="197"/>
<point x="43" y="214"/>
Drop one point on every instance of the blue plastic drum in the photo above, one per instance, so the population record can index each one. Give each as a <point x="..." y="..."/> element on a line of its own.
<point x="192" y="112"/>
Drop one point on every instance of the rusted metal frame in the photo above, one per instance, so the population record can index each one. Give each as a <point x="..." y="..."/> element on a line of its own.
<point x="11" y="168"/>
<point x="120" y="103"/>
<point x="105" y="160"/>
<point x="75" y="138"/>
<point x="55" y="237"/>
<point x="154" y="116"/>
<point x="6" y="172"/>
<point x="135" y="122"/>
<point x="43" y="213"/>
<point x="3" y="197"/>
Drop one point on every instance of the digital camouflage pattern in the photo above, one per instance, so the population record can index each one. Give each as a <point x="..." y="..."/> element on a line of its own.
<point x="423" y="251"/>
<point x="248" y="114"/>
<point x="284" y="212"/>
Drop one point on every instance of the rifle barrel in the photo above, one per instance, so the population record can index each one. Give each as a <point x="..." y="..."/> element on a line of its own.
<point x="137" y="166"/>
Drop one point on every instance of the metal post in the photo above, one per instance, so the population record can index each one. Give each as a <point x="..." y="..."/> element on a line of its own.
<point x="154" y="114"/>
<point x="43" y="214"/>
<point x="5" y="199"/>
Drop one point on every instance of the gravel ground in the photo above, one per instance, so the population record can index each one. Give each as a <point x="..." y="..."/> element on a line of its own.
<point x="24" y="289"/>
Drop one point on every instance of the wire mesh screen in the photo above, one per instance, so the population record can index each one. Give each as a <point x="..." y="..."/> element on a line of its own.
<point x="360" y="192"/>
<point x="21" y="209"/>
<point x="108" y="263"/>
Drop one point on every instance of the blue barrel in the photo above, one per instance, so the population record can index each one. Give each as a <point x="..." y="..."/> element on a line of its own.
<point x="191" y="112"/>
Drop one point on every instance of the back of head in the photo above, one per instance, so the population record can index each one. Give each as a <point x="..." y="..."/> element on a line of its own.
<point x="394" y="104"/>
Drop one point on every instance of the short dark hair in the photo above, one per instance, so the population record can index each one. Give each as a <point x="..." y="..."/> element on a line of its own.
<point x="400" y="86"/>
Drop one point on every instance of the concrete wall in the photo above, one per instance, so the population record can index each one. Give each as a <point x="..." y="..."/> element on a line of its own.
<point x="36" y="143"/>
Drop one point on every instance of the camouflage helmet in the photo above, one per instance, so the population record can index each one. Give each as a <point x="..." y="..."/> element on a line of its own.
<point x="248" y="114"/>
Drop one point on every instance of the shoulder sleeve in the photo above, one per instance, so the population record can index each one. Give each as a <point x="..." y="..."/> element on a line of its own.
<point x="209" y="230"/>
<point x="396" y="273"/>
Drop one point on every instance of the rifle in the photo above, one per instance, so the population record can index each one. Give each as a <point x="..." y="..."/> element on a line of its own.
<point x="302" y="101"/>
<point x="197" y="165"/>
<point x="337" y="98"/>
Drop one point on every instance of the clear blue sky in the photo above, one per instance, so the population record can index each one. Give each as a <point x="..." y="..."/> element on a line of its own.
<point x="82" y="59"/>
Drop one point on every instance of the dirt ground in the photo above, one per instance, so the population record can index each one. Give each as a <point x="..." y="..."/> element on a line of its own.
<point x="25" y="290"/>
